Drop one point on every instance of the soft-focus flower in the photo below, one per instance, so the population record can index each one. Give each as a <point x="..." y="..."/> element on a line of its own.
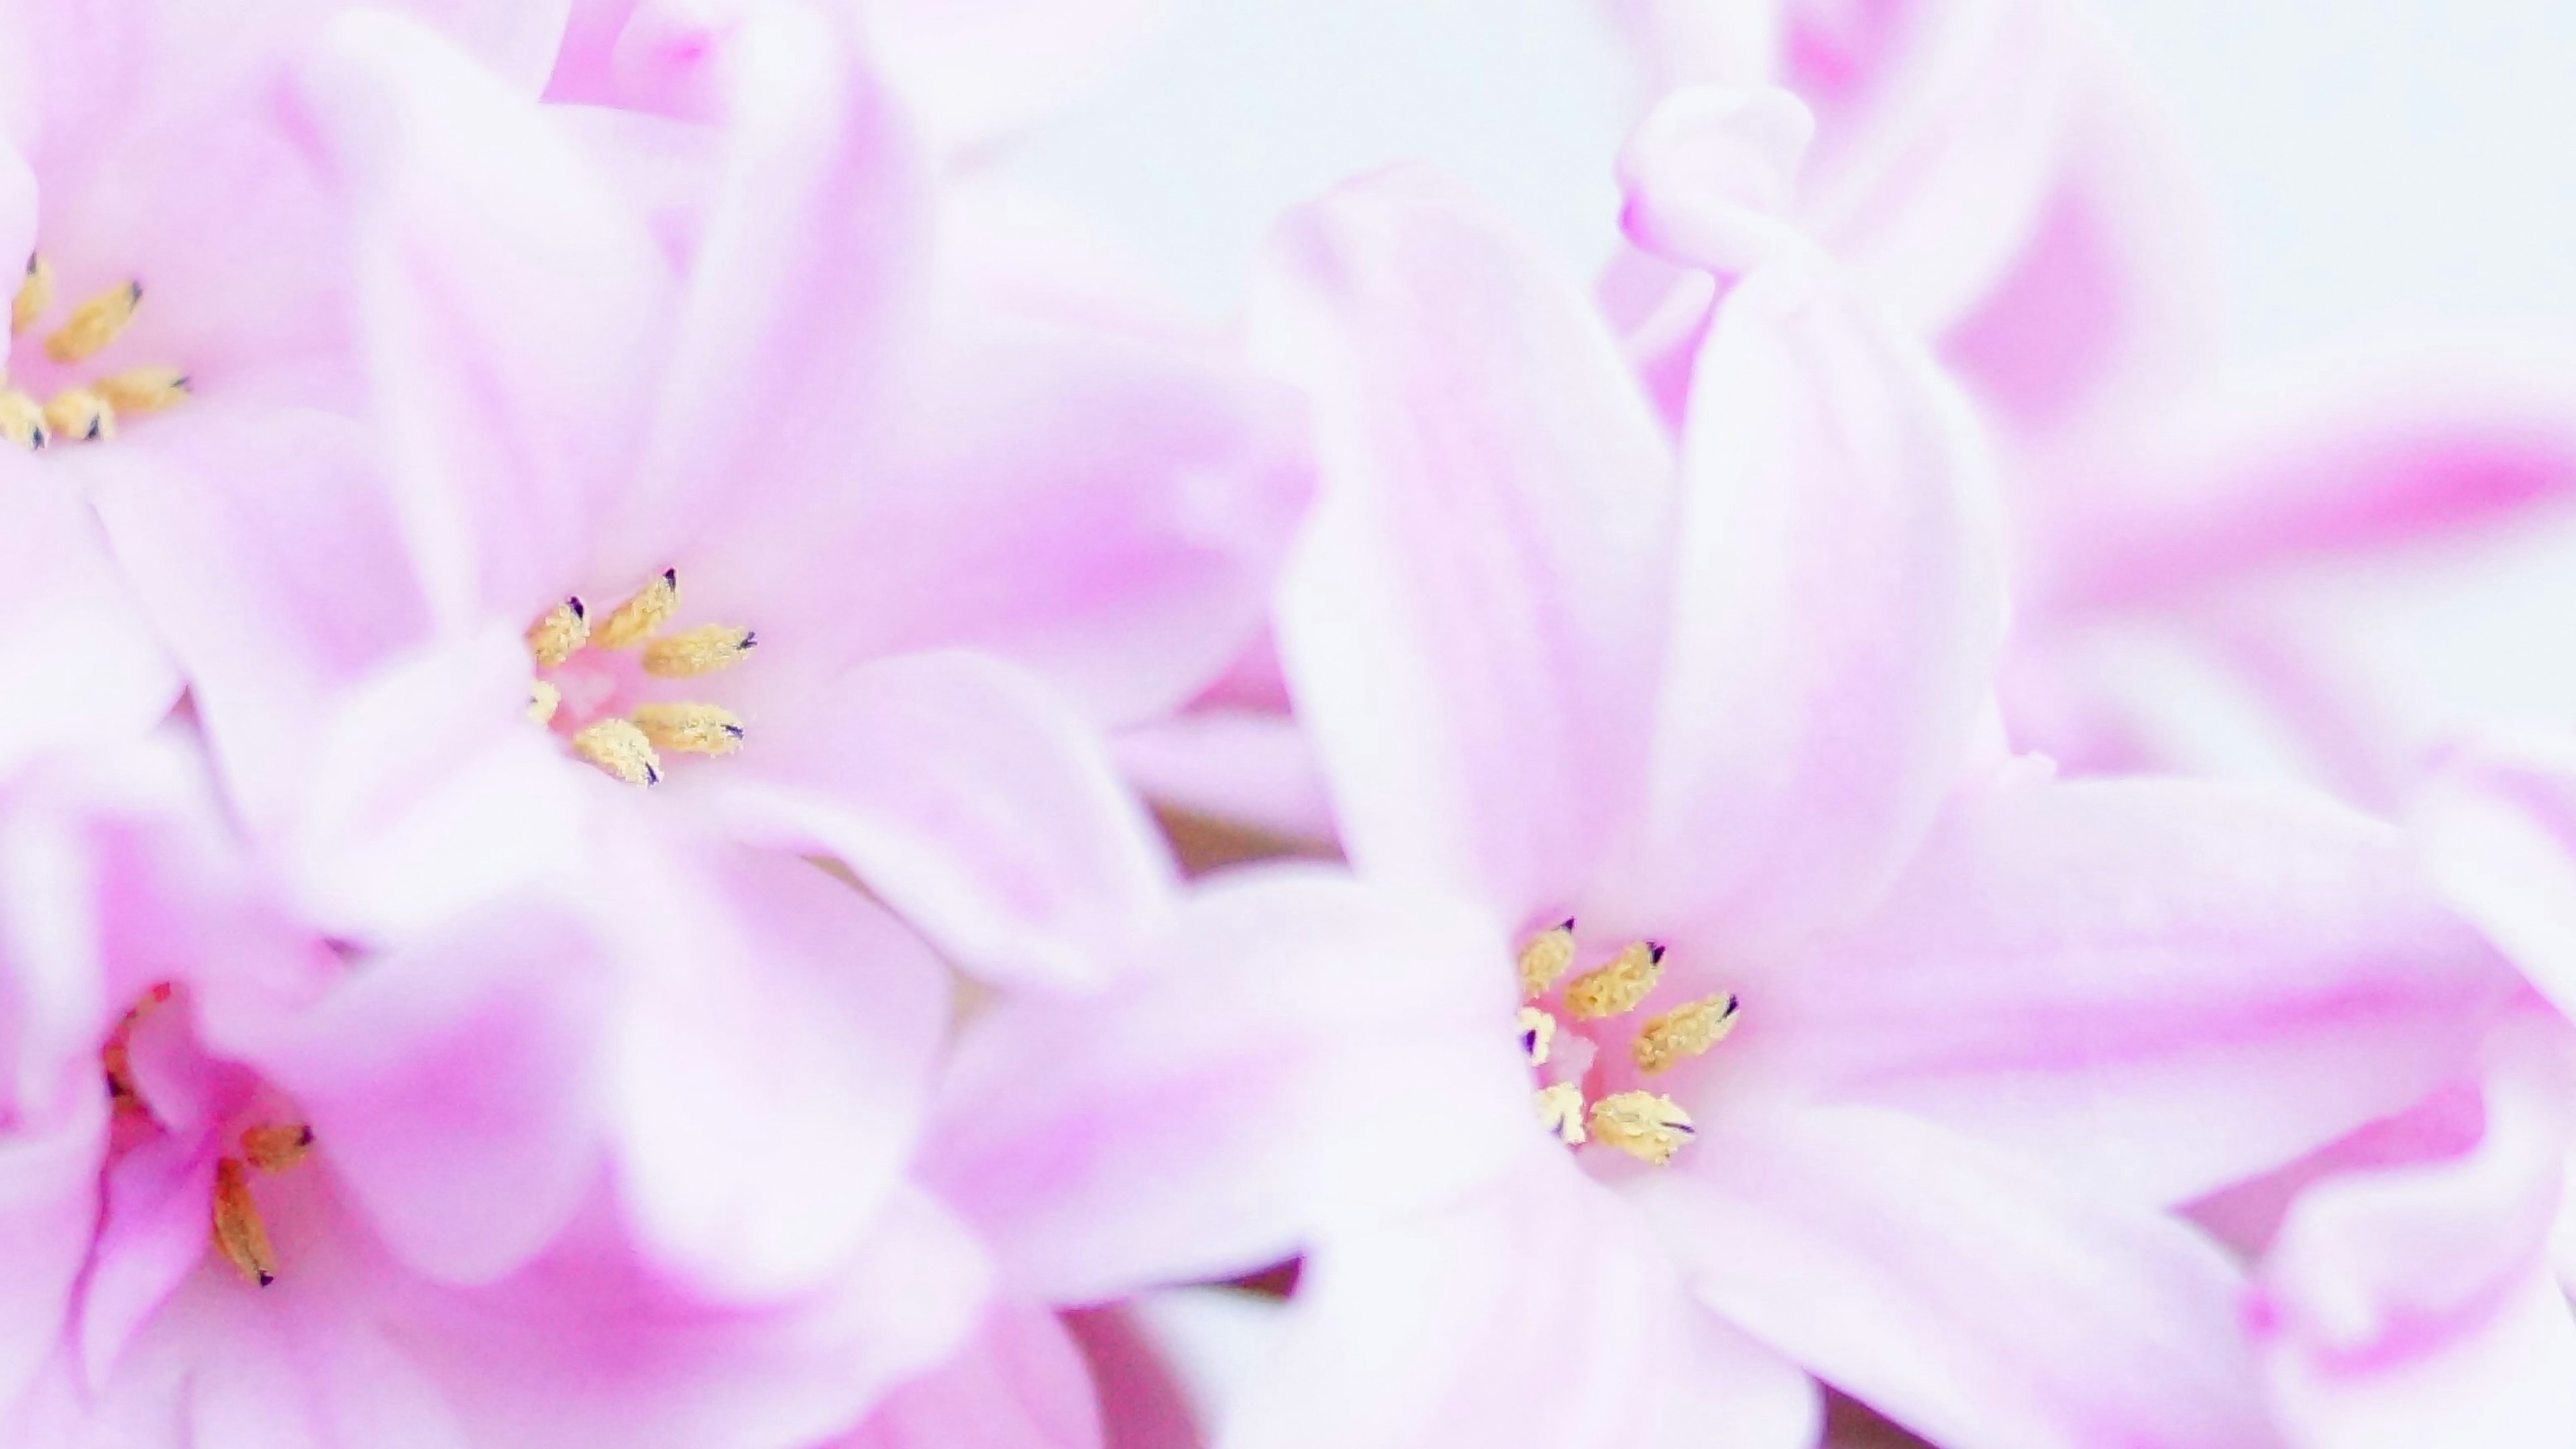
<point x="1811" y="982"/>
<point x="272" y="1188"/>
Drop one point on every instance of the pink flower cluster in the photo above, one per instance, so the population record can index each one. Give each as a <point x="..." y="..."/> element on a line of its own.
<point x="667" y="784"/>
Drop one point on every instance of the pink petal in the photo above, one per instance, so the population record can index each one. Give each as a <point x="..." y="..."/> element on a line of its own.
<point x="978" y="71"/>
<point x="1540" y="1312"/>
<point x="152" y="1233"/>
<point x="968" y="799"/>
<point x="1969" y="1296"/>
<point x="2416" y="1305"/>
<point x="1708" y="175"/>
<point x="1239" y="766"/>
<point x="770" y="1066"/>
<point x="2161" y="986"/>
<point x="1470" y="624"/>
<point x="2496" y="824"/>
<point x="1020" y="1383"/>
<point x="49" y="1211"/>
<point x="511" y="306"/>
<point x="1837" y="622"/>
<point x="453" y="1086"/>
<point x="71" y="635"/>
<point x="1270" y="1067"/>
<point x="265" y="551"/>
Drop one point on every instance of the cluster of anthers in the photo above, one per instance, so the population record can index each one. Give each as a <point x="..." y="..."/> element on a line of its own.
<point x="628" y="745"/>
<point x="84" y="412"/>
<point x="239" y="1234"/>
<point x="1648" y="1126"/>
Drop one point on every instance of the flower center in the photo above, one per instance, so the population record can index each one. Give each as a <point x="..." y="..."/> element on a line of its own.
<point x="262" y="1147"/>
<point x="82" y="411"/>
<point x="592" y="680"/>
<point x="1585" y="1045"/>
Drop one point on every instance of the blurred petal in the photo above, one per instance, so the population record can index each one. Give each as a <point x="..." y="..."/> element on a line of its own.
<point x="2161" y="986"/>
<point x="2416" y="1305"/>
<point x="73" y="642"/>
<point x="49" y="1211"/>
<point x="968" y="799"/>
<point x="771" y="1066"/>
<point x="1472" y="620"/>
<point x="1837" y="621"/>
<point x="978" y="72"/>
<point x="1538" y="1313"/>
<point x="2496" y="824"/>
<point x="1967" y="1295"/>
<point x="1019" y="1383"/>
<point x="1276" y="1063"/>
<point x="511" y="304"/>
<point x="1708" y="175"/>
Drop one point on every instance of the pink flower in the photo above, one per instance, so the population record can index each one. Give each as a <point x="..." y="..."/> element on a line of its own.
<point x="1867" y="1053"/>
<point x="1994" y="174"/>
<point x="743" y="470"/>
<point x="269" y="1188"/>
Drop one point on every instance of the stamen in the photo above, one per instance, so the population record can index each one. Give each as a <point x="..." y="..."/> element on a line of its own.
<point x="35" y="295"/>
<point x="1645" y="1125"/>
<point x="543" y="700"/>
<point x="1682" y="1033"/>
<point x="143" y="389"/>
<point x="1616" y="988"/>
<point x="1548" y="956"/>
<point x="275" y="1149"/>
<point x="635" y="621"/>
<point x="94" y="324"/>
<point x="1538" y="1034"/>
<point x="22" y="420"/>
<point x="80" y="414"/>
<point x="556" y="637"/>
<point x="702" y="650"/>
<point x="620" y="748"/>
<point x="695" y="729"/>
<point x="238" y="1230"/>
<point x="1560" y="1110"/>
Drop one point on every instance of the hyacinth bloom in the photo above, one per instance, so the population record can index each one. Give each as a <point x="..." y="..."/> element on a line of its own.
<point x="1808" y="978"/>
<point x="1993" y="172"/>
<point x="280" y="1189"/>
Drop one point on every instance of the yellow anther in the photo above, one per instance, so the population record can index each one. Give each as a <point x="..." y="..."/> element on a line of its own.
<point x="1547" y="956"/>
<point x="22" y="420"/>
<point x="81" y="415"/>
<point x="556" y="637"/>
<point x="636" y="620"/>
<point x="238" y="1230"/>
<point x="140" y="390"/>
<point x="1645" y="1125"/>
<point x="1560" y="1110"/>
<point x="1682" y="1033"/>
<point x="94" y="323"/>
<point x="1538" y="1035"/>
<point x="35" y="294"/>
<point x="1615" y="989"/>
<point x="694" y="729"/>
<point x="702" y="650"/>
<point x="543" y="700"/>
<point x="619" y="748"/>
<point x="275" y="1149"/>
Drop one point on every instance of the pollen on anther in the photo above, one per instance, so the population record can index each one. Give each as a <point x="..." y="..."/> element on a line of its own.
<point x="94" y="324"/>
<point x="617" y="746"/>
<point x="702" y="650"/>
<point x="560" y="634"/>
<point x="1548" y="956"/>
<point x="1538" y="1035"/>
<point x="238" y="1230"/>
<point x="143" y="389"/>
<point x="1560" y="1110"/>
<point x="1682" y="1033"/>
<point x="1616" y="988"/>
<point x="543" y="700"/>
<point x="22" y="420"/>
<point x="275" y="1149"/>
<point x="696" y="729"/>
<point x="640" y="617"/>
<point x="35" y="294"/>
<point x="1647" y="1126"/>
<point x="81" y="414"/>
